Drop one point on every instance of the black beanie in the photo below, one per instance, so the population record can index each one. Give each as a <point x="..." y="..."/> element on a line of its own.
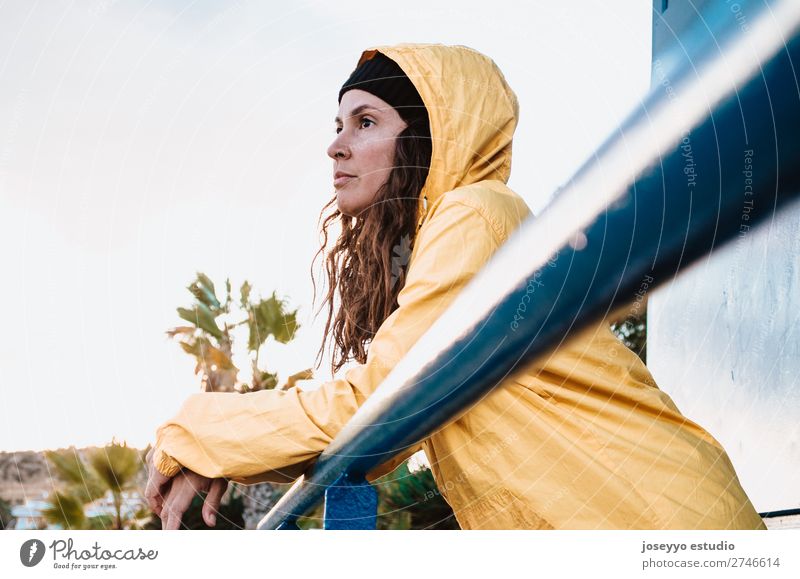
<point x="383" y="77"/>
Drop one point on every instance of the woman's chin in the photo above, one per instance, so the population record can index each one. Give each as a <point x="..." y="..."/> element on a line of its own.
<point x="346" y="204"/>
<point x="353" y="201"/>
<point x="341" y="204"/>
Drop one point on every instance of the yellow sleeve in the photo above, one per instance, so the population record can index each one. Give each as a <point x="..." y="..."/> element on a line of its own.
<point x="276" y="435"/>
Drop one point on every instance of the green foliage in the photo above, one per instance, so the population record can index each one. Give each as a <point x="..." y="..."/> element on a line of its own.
<point x="75" y="477"/>
<point x="269" y="318"/>
<point x="110" y="469"/>
<point x="203" y="318"/>
<point x="244" y="302"/>
<point x="209" y="339"/>
<point x="313" y="520"/>
<point x="411" y="500"/>
<point x="116" y="466"/>
<point x="101" y="523"/>
<point x="66" y="510"/>
<point x="6" y="518"/>
<point x="203" y="290"/>
<point x="632" y="331"/>
<point x="202" y="349"/>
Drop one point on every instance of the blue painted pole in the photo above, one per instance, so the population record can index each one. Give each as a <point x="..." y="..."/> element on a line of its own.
<point x="351" y="503"/>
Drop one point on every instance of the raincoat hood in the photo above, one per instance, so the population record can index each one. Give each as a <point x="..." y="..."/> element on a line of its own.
<point x="472" y="111"/>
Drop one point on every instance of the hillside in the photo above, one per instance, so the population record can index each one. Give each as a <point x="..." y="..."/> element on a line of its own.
<point x="25" y="475"/>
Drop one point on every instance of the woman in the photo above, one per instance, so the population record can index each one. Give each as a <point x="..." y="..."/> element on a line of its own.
<point x="581" y="438"/>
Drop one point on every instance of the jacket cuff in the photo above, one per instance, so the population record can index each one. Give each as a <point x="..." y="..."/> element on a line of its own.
<point x="165" y="464"/>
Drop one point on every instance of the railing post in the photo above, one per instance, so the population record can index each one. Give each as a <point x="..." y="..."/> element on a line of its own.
<point x="351" y="503"/>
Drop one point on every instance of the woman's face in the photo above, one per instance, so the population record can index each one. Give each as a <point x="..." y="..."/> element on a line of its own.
<point x="363" y="150"/>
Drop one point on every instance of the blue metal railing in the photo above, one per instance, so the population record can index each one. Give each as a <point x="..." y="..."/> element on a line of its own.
<point x="640" y="208"/>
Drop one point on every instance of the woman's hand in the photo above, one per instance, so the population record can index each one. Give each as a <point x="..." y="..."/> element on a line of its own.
<point x="157" y="486"/>
<point x="184" y="487"/>
<point x="169" y="498"/>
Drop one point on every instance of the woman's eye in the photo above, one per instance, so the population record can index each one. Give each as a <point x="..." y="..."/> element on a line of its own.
<point x="363" y="123"/>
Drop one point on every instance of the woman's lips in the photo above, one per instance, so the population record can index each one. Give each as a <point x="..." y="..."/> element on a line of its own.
<point x="342" y="180"/>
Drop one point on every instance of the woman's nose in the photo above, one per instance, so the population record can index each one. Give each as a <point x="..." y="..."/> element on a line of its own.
<point x="338" y="149"/>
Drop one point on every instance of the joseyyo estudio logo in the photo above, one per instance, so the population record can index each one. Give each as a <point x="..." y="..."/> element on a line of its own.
<point x="31" y="552"/>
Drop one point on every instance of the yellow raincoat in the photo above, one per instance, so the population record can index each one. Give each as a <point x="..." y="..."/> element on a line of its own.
<point x="581" y="438"/>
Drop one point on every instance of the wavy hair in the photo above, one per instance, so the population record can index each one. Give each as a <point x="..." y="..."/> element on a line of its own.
<point x="363" y="278"/>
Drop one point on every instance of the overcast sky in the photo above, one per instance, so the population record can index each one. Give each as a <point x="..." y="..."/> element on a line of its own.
<point x="143" y="141"/>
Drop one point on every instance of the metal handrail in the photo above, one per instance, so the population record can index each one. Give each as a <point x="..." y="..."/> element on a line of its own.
<point x="636" y="210"/>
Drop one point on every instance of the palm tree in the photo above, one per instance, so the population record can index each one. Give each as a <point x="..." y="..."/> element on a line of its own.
<point x="116" y="467"/>
<point x="111" y="469"/>
<point x="66" y="511"/>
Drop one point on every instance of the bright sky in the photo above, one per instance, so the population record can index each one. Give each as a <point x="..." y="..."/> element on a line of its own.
<point x="143" y="141"/>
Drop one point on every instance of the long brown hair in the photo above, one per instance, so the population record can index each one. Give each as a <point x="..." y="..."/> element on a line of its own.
<point x="366" y="267"/>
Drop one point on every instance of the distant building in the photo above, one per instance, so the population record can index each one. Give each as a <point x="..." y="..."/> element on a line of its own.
<point x="29" y="515"/>
<point x="24" y="476"/>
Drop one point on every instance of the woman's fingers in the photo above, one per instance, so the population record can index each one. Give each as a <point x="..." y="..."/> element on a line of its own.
<point x="177" y="502"/>
<point x="154" y="492"/>
<point x="156" y="486"/>
<point x="183" y="489"/>
<point x="213" y="499"/>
